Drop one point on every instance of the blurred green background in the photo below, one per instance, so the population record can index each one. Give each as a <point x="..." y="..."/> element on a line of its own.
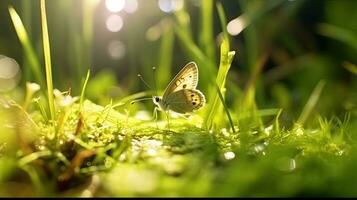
<point x="298" y="56"/>
<point x="298" y="42"/>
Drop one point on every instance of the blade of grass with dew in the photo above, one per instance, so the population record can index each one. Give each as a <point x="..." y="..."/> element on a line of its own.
<point x="206" y="40"/>
<point x="47" y="55"/>
<point x="28" y="48"/>
<point x="83" y="90"/>
<point x="224" y="66"/>
<point x="311" y="103"/>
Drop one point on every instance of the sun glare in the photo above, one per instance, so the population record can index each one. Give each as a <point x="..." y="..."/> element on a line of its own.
<point x="115" y="5"/>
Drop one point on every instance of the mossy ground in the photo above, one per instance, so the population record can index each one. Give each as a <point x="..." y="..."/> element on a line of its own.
<point x="101" y="152"/>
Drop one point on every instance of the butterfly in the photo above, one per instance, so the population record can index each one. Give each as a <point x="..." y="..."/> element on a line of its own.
<point x="181" y="95"/>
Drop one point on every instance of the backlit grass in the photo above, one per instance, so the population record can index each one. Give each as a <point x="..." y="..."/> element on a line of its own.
<point x="86" y="143"/>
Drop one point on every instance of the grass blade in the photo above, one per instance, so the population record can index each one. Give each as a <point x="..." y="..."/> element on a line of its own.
<point x="222" y="19"/>
<point x="225" y="64"/>
<point x="226" y="58"/>
<point x="165" y="55"/>
<point x="27" y="46"/>
<point x="350" y="67"/>
<point x="311" y="103"/>
<point x="83" y="89"/>
<point x="225" y="108"/>
<point x="346" y="36"/>
<point x="47" y="54"/>
<point x="206" y="41"/>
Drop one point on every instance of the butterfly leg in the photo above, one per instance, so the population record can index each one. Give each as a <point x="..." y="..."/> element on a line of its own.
<point x="155" y="116"/>
<point x="168" y="117"/>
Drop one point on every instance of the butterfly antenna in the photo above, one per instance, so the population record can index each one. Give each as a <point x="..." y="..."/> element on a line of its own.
<point x="154" y="77"/>
<point x="142" y="99"/>
<point x="145" y="83"/>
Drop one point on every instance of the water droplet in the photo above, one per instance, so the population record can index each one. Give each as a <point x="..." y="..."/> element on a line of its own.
<point x="229" y="155"/>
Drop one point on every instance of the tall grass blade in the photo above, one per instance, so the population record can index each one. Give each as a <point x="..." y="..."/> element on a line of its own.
<point x="311" y="103"/>
<point x="165" y="55"/>
<point x="226" y="58"/>
<point x="47" y="54"/>
<point x="206" y="39"/>
<point x="346" y="36"/>
<point x="225" y="64"/>
<point x="222" y="18"/>
<point x="87" y="34"/>
<point x="183" y="31"/>
<point x="225" y="108"/>
<point x="26" y="15"/>
<point x="28" y="48"/>
<point x="350" y="67"/>
<point x="84" y="89"/>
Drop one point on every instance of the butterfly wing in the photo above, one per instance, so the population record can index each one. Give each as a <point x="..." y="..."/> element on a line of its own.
<point x="185" y="101"/>
<point x="187" y="78"/>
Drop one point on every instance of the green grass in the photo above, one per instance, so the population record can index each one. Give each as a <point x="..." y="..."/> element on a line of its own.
<point x="27" y="46"/>
<point x="154" y="161"/>
<point x="48" y="65"/>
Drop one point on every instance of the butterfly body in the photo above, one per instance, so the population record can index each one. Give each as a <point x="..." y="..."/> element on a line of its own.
<point x="181" y="95"/>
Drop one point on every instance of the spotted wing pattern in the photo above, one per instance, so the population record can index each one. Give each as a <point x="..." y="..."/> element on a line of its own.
<point x="185" y="101"/>
<point x="187" y="78"/>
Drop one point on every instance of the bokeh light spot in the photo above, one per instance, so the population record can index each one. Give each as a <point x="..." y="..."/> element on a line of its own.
<point x="114" y="23"/>
<point x="229" y="155"/>
<point x="115" y="5"/>
<point x="9" y="73"/>
<point x="131" y="6"/>
<point x="8" y="67"/>
<point x="170" y="5"/>
<point x="236" y="26"/>
<point x="116" y="50"/>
